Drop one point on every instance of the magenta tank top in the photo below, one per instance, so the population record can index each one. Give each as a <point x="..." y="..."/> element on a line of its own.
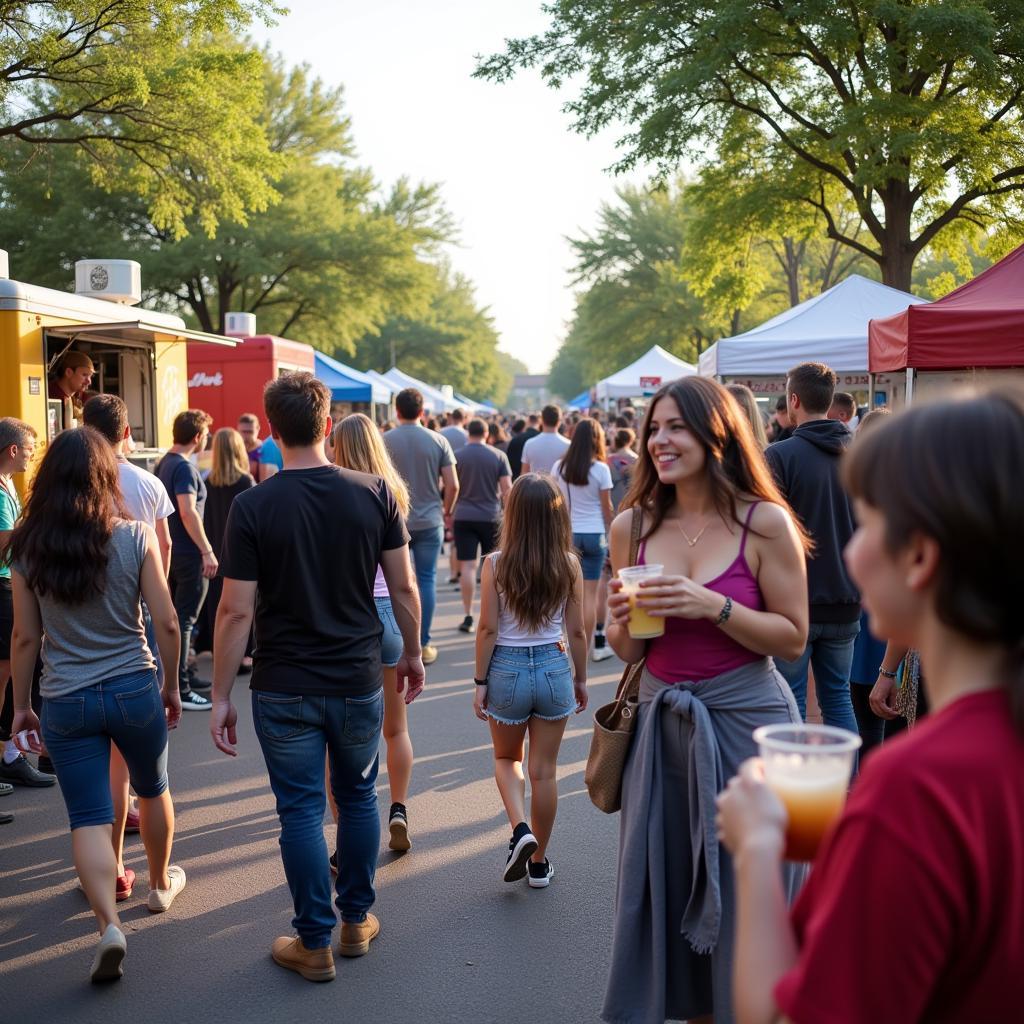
<point x="694" y="649"/>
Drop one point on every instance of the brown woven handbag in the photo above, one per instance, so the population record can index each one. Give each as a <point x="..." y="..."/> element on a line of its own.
<point x="614" y="723"/>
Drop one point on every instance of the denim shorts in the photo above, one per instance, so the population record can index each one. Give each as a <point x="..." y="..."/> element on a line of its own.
<point x="528" y="682"/>
<point x="78" y="728"/>
<point x="391" y="643"/>
<point x="593" y="550"/>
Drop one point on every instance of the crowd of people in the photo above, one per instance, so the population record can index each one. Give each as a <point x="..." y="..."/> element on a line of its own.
<point x="821" y="544"/>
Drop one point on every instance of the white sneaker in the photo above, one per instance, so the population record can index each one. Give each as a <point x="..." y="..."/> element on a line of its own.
<point x="161" y="899"/>
<point x="601" y="651"/>
<point x="110" y="954"/>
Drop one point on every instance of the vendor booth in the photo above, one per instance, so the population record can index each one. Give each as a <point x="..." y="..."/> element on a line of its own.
<point x="350" y="388"/>
<point x="644" y="376"/>
<point x="973" y="334"/>
<point x="830" y="328"/>
<point x="434" y="400"/>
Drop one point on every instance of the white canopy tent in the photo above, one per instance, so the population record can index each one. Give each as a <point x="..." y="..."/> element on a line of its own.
<point x="644" y="376"/>
<point x="829" y="328"/>
<point x="433" y="398"/>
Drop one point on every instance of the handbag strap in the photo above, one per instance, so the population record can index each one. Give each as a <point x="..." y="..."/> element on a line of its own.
<point x="636" y="526"/>
<point x="631" y="672"/>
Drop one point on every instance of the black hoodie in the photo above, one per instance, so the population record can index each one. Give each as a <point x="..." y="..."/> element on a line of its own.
<point x="806" y="466"/>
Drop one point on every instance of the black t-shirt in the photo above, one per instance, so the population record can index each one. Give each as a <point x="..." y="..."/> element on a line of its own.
<point x="179" y="476"/>
<point x="312" y="539"/>
<point x="219" y="500"/>
<point x="515" y="450"/>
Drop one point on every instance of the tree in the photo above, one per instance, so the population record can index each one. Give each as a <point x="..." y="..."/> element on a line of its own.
<point x="910" y="111"/>
<point x="154" y="97"/>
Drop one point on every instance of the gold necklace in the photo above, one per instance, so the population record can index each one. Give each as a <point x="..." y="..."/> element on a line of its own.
<point x="686" y="536"/>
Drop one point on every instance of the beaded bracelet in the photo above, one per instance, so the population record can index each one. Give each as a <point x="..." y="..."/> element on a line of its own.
<point x="723" y="615"/>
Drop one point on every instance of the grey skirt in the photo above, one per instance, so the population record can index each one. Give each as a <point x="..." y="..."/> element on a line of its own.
<point x="673" y="875"/>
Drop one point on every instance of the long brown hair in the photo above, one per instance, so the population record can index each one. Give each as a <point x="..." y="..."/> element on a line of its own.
<point x="358" y="446"/>
<point x="62" y="540"/>
<point x="748" y="404"/>
<point x="537" y="568"/>
<point x="230" y="461"/>
<point x="952" y="471"/>
<point x="586" y="448"/>
<point x="735" y="466"/>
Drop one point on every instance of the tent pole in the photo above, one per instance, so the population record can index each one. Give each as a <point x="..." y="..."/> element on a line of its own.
<point x="908" y="396"/>
<point x="871" y="391"/>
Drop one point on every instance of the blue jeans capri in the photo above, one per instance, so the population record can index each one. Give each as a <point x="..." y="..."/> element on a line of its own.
<point x="530" y="682"/>
<point x="391" y="643"/>
<point x="78" y="729"/>
<point x="593" y="550"/>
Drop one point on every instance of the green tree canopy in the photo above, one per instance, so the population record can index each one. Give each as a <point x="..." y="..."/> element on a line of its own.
<point x="910" y="112"/>
<point x="154" y="97"/>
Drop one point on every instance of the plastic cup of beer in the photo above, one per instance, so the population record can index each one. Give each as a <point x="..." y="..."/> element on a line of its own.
<point x="808" y="767"/>
<point x="642" y="626"/>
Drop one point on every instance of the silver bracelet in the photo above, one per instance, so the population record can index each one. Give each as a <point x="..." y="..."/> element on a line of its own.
<point x="888" y="675"/>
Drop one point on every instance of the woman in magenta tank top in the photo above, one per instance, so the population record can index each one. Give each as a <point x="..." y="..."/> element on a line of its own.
<point x="733" y="594"/>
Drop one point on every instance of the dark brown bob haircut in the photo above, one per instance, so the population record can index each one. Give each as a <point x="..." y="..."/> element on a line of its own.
<point x="954" y="471"/>
<point x="297" y="405"/>
<point x="736" y="466"/>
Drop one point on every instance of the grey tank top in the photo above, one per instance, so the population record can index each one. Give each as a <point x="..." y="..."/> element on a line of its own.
<point x="104" y="637"/>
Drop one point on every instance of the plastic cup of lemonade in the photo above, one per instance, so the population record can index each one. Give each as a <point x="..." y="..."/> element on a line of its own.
<point x="642" y="626"/>
<point x="808" y="767"/>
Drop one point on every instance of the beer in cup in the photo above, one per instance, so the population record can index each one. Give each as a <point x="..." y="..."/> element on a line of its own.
<point x="808" y="767"/>
<point x="642" y="626"/>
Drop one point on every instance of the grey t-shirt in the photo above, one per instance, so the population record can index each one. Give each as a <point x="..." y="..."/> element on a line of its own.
<point x="104" y="637"/>
<point x="543" y="451"/>
<point x="457" y="437"/>
<point x="480" y="469"/>
<point x="419" y="456"/>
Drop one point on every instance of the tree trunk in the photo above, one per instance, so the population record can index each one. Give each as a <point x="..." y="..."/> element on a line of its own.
<point x="897" y="250"/>
<point x="793" y="259"/>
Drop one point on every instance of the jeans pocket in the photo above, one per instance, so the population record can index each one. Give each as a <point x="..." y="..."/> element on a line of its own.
<point x="501" y="689"/>
<point x="560" y="685"/>
<point x="364" y="717"/>
<point x="280" y="717"/>
<point x="140" y="707"/>
<point x="63" y="715"/>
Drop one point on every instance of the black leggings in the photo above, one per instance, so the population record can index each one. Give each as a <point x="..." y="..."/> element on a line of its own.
<point x="874" y="730"/>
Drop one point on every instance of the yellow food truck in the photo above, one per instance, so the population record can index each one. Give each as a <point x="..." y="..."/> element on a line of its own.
<point x="138" y="354"/>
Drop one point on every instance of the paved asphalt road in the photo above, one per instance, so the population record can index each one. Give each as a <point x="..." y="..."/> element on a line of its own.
<point x="457" y="944"/>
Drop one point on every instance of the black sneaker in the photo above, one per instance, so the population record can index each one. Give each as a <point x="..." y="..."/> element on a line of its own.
<point x="334" y="863"/>
<point x="193" y="701"/>
<point x="540" y="874"/>
<point x="521" y="848"/>
<point x="398" y="823"/>
<point x="466" y="626"/>
<point x="21" y="772"/>
<point x="200" y="685"/>
<point x="453" y="581"/>
<point x="45" y="765"/>
<point x="5" y="818"/>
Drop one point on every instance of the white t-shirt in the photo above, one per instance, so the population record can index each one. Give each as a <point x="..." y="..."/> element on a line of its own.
<point x="543" y="451"/>
<point x="144" y="494"/>
<point x="585" y="502"/>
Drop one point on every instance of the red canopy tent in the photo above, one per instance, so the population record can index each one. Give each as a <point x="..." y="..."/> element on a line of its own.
<point x="980" y="324"/>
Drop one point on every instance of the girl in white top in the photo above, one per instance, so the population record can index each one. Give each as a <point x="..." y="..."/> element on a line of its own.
<point x="530" y="590"/>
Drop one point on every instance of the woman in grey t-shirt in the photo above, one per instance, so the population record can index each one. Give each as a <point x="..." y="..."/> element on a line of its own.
<point x="79" y="569"/>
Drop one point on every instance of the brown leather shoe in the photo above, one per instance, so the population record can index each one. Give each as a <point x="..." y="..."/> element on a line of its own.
<point x="356" y="938"/>
<point x="312" y="964"/>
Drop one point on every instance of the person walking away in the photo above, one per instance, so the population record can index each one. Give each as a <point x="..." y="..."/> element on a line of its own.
<point x="228" y="478"/>
<point x="530" y="591"/>
<point x="926" y="857"/>
<point x="455" y="433"/>
<point x="806" y="467"/>
<point x="358" y="446"/>
<point x="146" y="501"/>
<point x="528" y="429"/>
<point x="732" y="595"/>
<point x="748" y="403"/>
<point x="485" y="478"/>
<point x="316" y="680"/>
<point x="497" y="438"/>
<point x="193" y="563"/>
<point x="80" y="567"/>
<point x="540" y="453"/>
<point x="585" y="481"/>
<point x="844" y="409"/>
<point x="424" y="459"/>
<point x="17" y="447"/>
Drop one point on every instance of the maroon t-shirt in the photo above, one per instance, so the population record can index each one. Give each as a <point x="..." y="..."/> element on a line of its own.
<point x="914" y="910"/>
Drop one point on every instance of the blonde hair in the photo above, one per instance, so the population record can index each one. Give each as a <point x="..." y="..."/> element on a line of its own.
<point x="230" y="461"/>
<point x="358" y="446"/>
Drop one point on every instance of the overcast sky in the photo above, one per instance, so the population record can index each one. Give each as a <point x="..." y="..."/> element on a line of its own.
<point x="516" y="179"/>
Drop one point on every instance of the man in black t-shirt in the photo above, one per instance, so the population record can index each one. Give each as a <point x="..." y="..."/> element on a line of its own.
<point x="302" y="549"/>
<point x="529" y="429"/>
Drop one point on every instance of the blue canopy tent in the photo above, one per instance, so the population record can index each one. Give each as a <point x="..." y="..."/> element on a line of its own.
<point x="348" y="384"/>
<point x="581" y="401"/>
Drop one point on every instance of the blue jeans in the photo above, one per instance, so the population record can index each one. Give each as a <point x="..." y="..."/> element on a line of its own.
<point x="425" y="546"/>
<point x="530" y="682"/>
<point x="294" y="732"/>
<point x="593" y="550"/>
<point x="78" y="729"/>
<point x="830" y="651"/>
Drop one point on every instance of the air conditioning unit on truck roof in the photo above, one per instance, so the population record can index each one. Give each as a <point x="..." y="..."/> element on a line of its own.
<point x="114" y="280"/>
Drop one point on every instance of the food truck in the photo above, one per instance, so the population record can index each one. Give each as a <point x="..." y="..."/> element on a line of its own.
<point x="227" y="382"/>
<point x="138" y="354"/>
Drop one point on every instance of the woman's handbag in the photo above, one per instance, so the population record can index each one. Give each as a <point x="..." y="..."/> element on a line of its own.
<point x="908" y="683"/>
<point x="614" y="723"/>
